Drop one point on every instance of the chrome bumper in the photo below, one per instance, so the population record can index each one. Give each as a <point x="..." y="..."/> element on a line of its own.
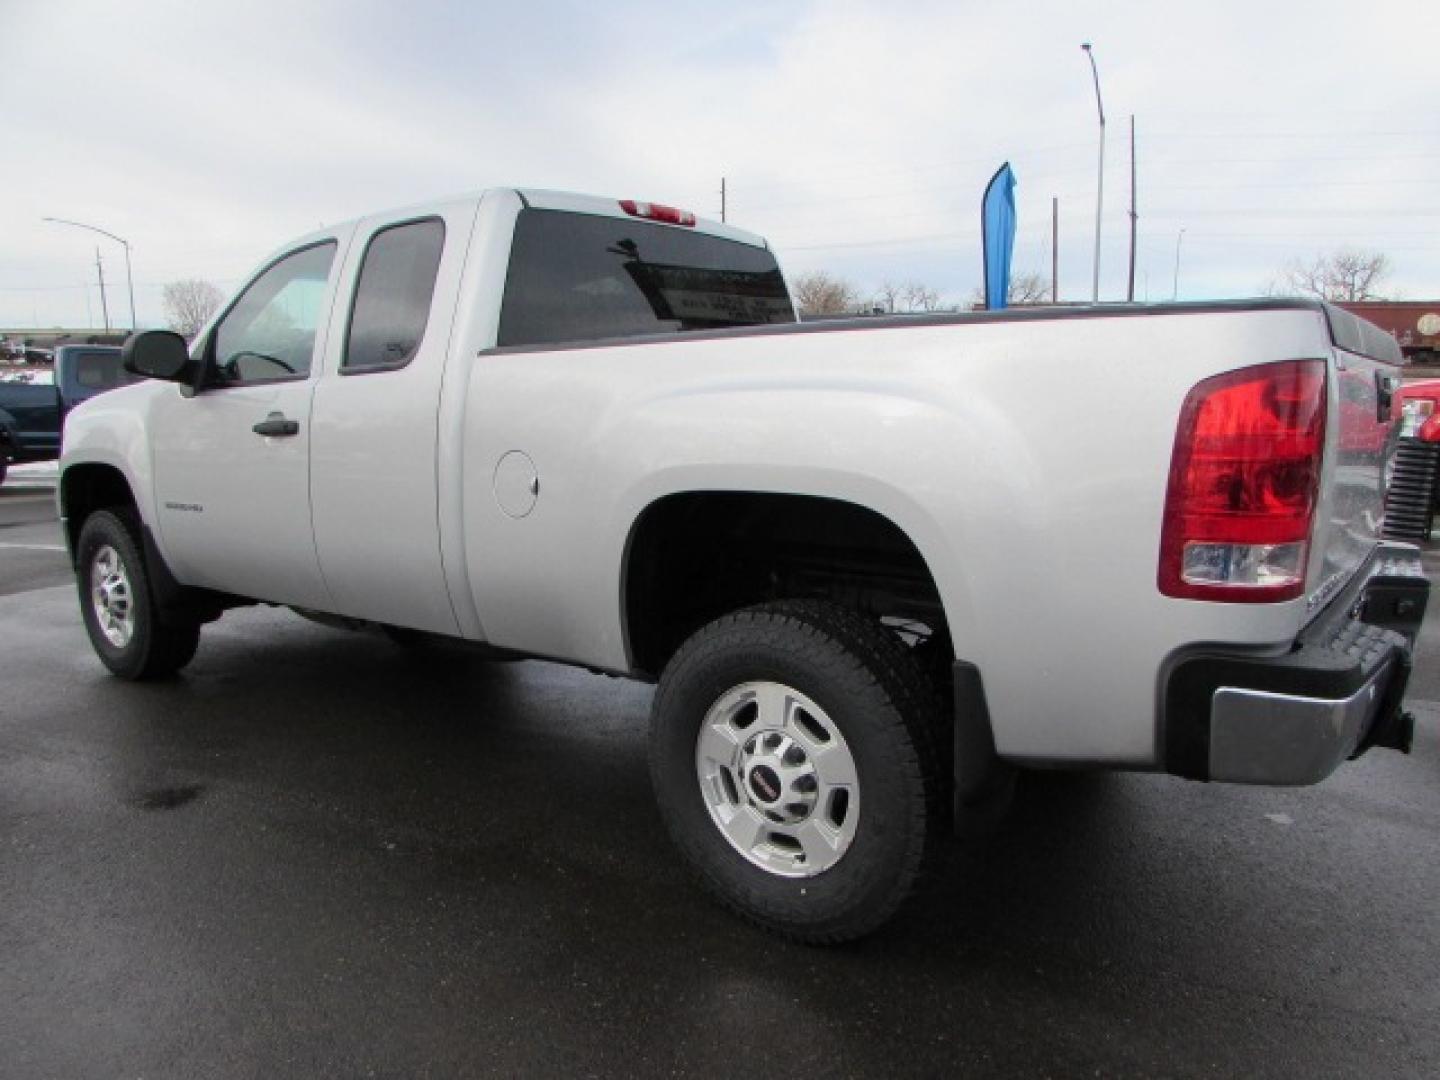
<point x="1263" y="738"/>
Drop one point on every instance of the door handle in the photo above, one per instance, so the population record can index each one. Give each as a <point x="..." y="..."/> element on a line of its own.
<point x="275" y="424"/>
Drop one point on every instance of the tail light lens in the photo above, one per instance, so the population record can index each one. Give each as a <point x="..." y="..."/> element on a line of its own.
<point x="1244" y="480"/>
<point x="1430" y="429"/>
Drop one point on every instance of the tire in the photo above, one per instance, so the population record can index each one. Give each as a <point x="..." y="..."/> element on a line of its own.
<point x="4" y="468"/>
<point x="119" y="611"/>
<point x="734" y="705"/>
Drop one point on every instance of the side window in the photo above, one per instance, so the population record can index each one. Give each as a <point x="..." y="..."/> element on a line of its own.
<point x="392" y="299"/>
<point x="101" y="371"/>
<point x="270" y="332"/>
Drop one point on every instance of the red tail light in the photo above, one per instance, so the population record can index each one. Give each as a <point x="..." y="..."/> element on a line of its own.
<point x="657" y="212"/>
<point x="1244" y="479"/>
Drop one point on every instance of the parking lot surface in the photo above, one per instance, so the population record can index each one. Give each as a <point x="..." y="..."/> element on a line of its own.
<point x="317" y="853"/>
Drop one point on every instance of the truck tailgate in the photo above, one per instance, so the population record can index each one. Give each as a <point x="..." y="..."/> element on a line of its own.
<point x="1364" y="435"/>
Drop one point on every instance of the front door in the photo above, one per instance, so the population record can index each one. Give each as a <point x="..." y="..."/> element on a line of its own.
<point x="232" y="462"/>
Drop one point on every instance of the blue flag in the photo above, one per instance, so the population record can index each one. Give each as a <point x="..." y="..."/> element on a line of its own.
<point x="997" y="223"/>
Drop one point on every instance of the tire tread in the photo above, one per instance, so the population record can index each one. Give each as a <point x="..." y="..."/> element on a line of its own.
<point x="163" y="646"/>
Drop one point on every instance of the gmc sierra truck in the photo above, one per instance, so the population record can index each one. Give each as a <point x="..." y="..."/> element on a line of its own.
<point x="871" y="566"/>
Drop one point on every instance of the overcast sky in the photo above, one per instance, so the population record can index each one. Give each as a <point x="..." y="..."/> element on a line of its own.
<point x="857" y="136"/>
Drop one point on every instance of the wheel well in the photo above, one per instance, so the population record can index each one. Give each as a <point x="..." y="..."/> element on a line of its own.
<point x="87" y="488"/>
<point x="693" y="557"/>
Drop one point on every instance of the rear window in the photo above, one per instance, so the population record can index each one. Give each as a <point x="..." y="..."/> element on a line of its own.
<point x="101" y="371"/>
<point x="392" y="301"/>
<point x="577" y="277"/>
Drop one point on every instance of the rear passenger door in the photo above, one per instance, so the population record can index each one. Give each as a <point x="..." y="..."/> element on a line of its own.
<point x="373" y="443"/>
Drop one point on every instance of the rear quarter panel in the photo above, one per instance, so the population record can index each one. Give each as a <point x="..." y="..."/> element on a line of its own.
<point x="1026" y="460"/>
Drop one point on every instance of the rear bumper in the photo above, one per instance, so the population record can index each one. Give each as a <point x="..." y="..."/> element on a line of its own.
<point x="1292" y="719"/>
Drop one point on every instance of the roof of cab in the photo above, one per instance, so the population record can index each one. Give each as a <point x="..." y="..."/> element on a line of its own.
<point x="537" y="198"/>
<point x="541" y="199"/>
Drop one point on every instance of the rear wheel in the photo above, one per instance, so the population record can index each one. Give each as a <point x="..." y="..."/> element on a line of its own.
<point x="120" y="614"/>
<point x="4" y="468"/>
<point x="793" y="757"/>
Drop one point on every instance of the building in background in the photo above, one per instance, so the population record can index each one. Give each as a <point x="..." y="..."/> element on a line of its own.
<point x="1415" y="324"/>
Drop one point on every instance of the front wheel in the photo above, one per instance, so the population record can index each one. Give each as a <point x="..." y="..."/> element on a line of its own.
<point x="793" y="754"/>
<point x="125" y="628"/>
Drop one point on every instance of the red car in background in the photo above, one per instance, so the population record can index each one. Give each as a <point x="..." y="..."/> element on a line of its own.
<point x="1413" y="489"/>
<point x="1419" y="404"/>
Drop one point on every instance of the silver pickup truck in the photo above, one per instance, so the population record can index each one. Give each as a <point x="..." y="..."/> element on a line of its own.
<point x="874" y="565"/>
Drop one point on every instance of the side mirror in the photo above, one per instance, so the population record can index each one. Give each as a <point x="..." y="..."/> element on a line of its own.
<point x="157" y="354"/>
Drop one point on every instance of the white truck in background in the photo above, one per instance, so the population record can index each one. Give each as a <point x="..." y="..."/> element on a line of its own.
<point x="874" y="565"/>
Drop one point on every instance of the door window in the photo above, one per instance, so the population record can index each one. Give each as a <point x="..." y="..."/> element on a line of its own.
<point x="269" y="333"/>
<point x="392" y="299"/>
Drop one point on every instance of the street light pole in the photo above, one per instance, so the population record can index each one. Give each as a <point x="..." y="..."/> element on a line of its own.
<point x="129" y="277"/>
<point x="1099" y="175"/>
<point x="100" y="273"/>
<point x="1175" y="292"/>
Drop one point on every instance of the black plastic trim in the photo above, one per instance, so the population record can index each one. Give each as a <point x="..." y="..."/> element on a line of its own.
<point x="177" y="601"/>
<point x="977" y="765"/>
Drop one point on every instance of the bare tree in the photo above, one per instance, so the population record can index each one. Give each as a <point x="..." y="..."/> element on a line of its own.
<point x="1028" y="289"/>
<point x="919" y="297"/>
<point x="818" y="293"/>
<point x="887" y="295"/>
<point x="1347" y="274"/>
<point x="189" y="303"/>
<point x="1023" y="289"/>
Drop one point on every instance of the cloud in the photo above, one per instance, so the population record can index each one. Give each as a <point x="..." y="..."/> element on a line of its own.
<point x="857" y="136"/>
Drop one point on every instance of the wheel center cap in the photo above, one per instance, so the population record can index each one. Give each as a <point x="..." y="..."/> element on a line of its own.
<point x="765" y="783"/>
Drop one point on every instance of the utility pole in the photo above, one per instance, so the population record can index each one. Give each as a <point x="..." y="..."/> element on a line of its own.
<point x="130" y="284"/>
<point x="129" y="277"/>
<point x="1054" y="249"/>
<point x="100" y="273"/>
<point x="722" y="198"/>
<point x="1099" y="174"/>
<point x="1175" y="294"/>
<point x="1130" y="289"/>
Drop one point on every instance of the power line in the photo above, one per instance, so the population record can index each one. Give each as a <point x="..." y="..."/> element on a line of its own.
<point x="91" y="285"/>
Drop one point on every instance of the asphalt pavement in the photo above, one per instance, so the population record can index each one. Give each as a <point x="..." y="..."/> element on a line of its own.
<point x="319" y="854"/>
